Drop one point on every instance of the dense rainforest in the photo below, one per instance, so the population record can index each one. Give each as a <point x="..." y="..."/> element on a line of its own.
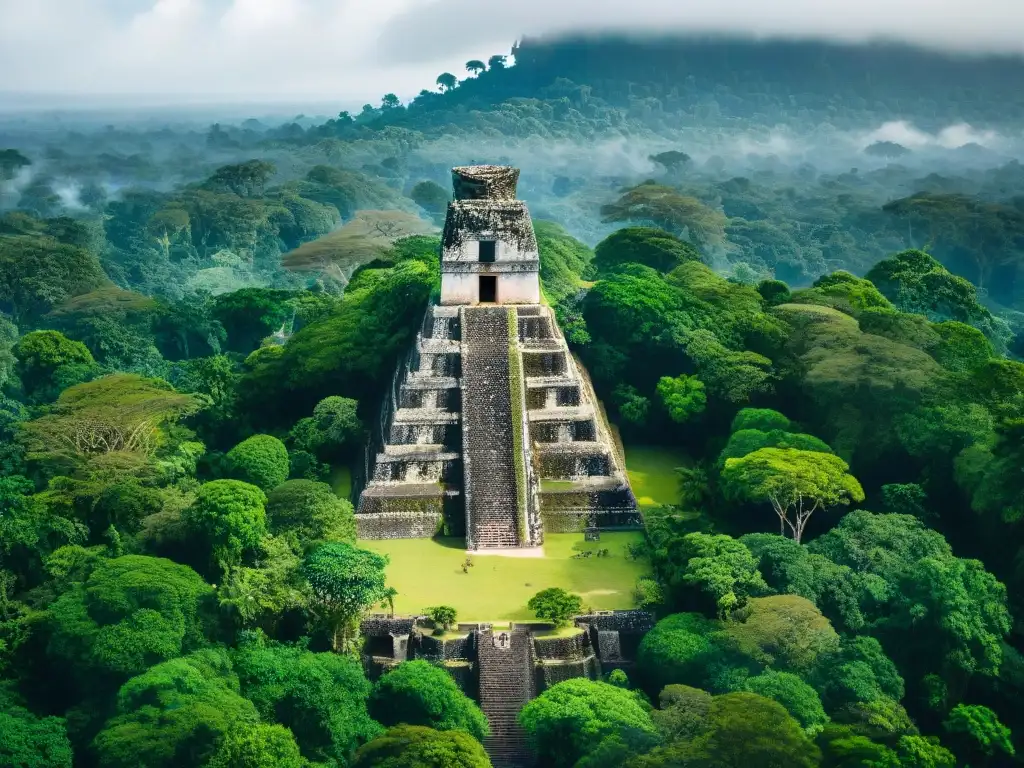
<point x="802" y="265"/>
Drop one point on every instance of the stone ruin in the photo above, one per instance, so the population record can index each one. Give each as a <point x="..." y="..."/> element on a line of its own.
<point x="490" y="428"/>
<point x="503" y="669"/>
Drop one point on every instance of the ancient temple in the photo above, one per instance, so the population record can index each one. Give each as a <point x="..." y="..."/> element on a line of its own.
<point x="491" y="428"/>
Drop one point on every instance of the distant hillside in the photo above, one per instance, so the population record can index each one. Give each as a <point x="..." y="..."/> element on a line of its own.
<point x="720" y="79"/>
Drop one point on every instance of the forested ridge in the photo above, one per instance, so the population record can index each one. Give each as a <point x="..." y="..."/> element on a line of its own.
<point x="197" y="325"/>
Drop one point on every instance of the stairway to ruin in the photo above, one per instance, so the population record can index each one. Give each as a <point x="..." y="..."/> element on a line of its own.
<point x="506" y="685"/>
<point x="570" y="439"/>
<point x="413" y="464"/>
<point x="487" y="438"/>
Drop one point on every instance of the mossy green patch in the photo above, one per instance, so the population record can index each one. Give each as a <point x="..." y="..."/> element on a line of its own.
<point x="428" y="572"/>
<point x="341" y="481"/>
<point x="652" y="475"/>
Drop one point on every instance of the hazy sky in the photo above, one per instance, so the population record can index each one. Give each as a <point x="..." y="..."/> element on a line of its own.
<point x="352" y="50"/>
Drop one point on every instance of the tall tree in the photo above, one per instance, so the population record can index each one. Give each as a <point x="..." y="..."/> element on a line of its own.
<point x="446" y="81"/>
<point x="346" y="581"/>
<point x="797" y="483"/>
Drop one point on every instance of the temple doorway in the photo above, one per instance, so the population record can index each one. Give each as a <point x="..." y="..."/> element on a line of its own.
<point x="488" y="289"/>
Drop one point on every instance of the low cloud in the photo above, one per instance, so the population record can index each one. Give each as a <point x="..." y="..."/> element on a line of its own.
<point x="426" y="30"/>
<point x="353" y="50"/>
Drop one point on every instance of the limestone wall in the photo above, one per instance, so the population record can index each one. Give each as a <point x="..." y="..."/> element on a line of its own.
<point x="398" y="525"/>
<point x="513" y="288"/>
<point x="564" y="648"/>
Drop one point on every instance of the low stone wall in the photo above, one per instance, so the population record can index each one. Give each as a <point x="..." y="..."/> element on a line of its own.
<point x="379" y="626"/>
<point x="575" y="520"/>
<point x="465" y="676"/>
<point x="445" y="649"/>
<point x="553" y="673"/>
<point x="399" y="525"/>
<point x="575" y="647"/>
<point x="635" y="622"/>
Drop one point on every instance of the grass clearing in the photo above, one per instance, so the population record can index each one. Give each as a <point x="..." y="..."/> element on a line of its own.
<point x="651" y="471"/>
<point x="428" y="572"/>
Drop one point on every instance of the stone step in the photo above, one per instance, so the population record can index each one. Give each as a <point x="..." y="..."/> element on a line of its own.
<point x="544" y="382"/>
<point x="437" y="346"/>
<point x="562" y="413"/>
<point x="425" y="381"/>
<point x="542" y="345"/>
<point x="488" y="460"/>
<point x="506" y="685"/>
<point x="424" y="416"/>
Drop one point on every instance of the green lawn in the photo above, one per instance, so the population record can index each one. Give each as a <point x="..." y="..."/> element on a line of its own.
<point x="651" y="471"/>
<point x="428" y="572"/>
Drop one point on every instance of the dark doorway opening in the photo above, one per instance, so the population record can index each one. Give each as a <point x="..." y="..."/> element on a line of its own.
<point x="488" y="249"/>
<point x="488" y="289"/>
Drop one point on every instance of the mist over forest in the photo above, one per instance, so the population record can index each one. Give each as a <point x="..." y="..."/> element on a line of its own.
<point x="797" y="138"/>
<point x="792" y="272"/>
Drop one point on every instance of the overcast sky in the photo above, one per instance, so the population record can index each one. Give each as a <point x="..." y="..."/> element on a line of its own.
<point x="353" y="50"/>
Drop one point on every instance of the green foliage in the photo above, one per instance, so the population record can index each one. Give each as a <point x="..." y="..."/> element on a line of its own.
<point x="130" y="613"/>
<point x="230" y="518"/>
<point x="311" y="511"/>
<point x="332" y="431"/>
<point x="320" y="697"/>
<point x="259" y="746"/>
<point x="796" y="483"/>
<point x="858" y="671"/>
<point x="842" y="747"/>
<point x="564" y="261"/>
<point x="357" y="343"/>
<point x="261" y="460"/>
<point x="678" y="650"/>
<point x="774" y="292"/>
<point x="916" y="282"/>
<point x="249" y="315"/>
<point x="950" y="613"/>
<point x="556" y="605"/>
<point x="719" y="568"/>
<point x="980" y="733"/>
<point x="648" y="594"/>
<point x="443" y="616"/>
<point x="683" y="397"/>
<point x="651" y="247"/>
<point x="27" y="741"/>
<point x="37" y="273"/>
<point x="668" y="209"/>
<point x="746" y="441"/>
<point x="413" y="746"/>
<point x="761" y="419"/>
<point x="117" y="415"/>
<point x="682" y="713"/>
<point x="858" y="383"/>
<point x="785" y="632"/>
<point x="799" y="699"/>
<point x="567" y="720"/>
<point x="741" y="729"/>
<point x="843" y="291"/>
<point x="419" y="693"/>
<point x="346" y="581"/>
<point x="41" y="353"/>
<point x="431" y="197"/>
<point x="905" y="499"/>
<point x="175" y="714"/>
<point x="923" y="752"/>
